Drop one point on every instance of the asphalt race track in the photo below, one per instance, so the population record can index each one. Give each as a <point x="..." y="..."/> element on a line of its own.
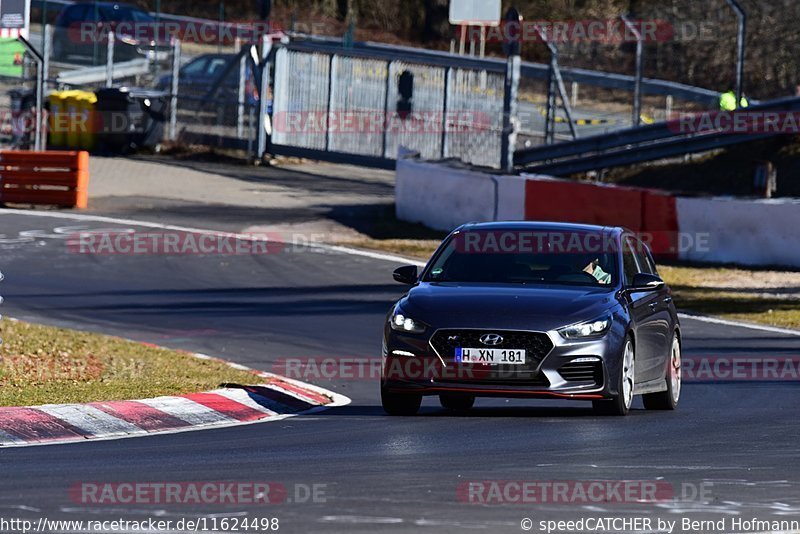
<point x="735" y="442"/>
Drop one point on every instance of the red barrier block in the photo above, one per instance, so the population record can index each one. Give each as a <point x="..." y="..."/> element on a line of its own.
<point x="660" y="223"/>
<point x="566" y="201"/>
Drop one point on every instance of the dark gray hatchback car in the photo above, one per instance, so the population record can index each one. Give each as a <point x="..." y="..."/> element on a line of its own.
<point x="534" y="310"/>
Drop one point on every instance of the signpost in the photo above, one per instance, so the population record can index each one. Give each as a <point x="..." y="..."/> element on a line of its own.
<point x="480" y="13"/>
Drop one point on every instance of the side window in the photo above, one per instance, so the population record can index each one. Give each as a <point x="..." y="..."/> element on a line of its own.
<point x="195" y="68"/>
<point x="643" y="258"/>
<point x="629" y="266"/>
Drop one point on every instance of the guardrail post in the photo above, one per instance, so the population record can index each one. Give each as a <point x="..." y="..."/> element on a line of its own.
<point x="110" y="60"/>
<point x="173" y="101"/>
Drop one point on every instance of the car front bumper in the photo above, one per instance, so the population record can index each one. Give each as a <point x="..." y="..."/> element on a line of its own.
<point x="578" y="370"/>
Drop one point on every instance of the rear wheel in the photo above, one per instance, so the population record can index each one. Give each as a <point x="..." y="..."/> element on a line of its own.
<point x="456" y="403"/>
<point x="400" y="403"/>
<point x="621" y="403"/>
<point x="668" y="400"/>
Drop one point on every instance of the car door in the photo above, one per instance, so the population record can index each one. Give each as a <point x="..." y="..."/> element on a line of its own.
<point x="663" y="319"/>
<point x="643" y="307"/>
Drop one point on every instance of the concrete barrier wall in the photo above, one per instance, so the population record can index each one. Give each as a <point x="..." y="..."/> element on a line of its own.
<point x="444" y="197"/>
<point x="747" y="232"/>
<point x="712" y="230"/>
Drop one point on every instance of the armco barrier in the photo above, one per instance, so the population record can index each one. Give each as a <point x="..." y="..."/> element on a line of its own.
<point x="53" y="178"/>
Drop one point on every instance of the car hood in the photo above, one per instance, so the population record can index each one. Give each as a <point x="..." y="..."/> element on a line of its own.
<point x="517" y="307"/>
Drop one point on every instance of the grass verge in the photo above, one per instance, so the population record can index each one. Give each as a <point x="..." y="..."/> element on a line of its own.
<point x="757" y="296"/>
<point x="43" y="365"/>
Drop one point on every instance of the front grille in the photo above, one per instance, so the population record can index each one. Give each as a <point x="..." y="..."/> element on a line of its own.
<point x="537" y="345"/>
<point x="582" y="372"/>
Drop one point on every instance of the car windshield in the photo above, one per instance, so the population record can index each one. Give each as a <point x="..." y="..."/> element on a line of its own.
<point x="514" y="257"/>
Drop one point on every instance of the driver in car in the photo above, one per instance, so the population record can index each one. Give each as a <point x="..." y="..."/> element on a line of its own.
<point x="595" y="270"/>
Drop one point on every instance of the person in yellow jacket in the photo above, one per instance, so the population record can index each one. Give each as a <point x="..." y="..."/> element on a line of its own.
<point x="727" y="101"/>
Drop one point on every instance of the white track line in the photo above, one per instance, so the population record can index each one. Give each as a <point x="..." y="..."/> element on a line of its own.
<point x="738" y="324"/>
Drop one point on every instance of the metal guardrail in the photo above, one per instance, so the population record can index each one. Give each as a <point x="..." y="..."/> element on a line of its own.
<point x="88" y="75"/>
<point x="636" y="145"/>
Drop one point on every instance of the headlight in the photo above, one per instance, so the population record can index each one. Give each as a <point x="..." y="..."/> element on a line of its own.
<point x="594" y="328"/>
<point x="403" y="323"/>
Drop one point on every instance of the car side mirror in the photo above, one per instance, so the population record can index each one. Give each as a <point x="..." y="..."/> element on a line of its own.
<point x="406" y="275"/>
<point x="646" y="282"/>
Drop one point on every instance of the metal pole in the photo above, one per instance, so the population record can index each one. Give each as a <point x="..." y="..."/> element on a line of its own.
<point x="38" y="142"/>
<point x="637" y="86"/>
<point x="110" y="60"/>
<point x="46" y="41"/>
<point x="549" y="121"/>
<point x="740" y="48"/>
<point x="386" y="112"/>
<point x="447" y="73"/>
<point x="263" y="110"/>
<point x="241" y="95"/>
<point x="221" y="22"/>
<point x="555" y="83"/>
<point x="510" y="94"/>
<point x="173" y="101"/>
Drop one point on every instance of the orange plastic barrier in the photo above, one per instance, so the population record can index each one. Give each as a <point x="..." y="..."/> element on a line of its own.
<point x="54" y="178"/>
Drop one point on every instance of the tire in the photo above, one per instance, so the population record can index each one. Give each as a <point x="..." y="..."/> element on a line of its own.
<point x="621" y="404"/>
<point x="457" y="403"/>
<point x="668" y="400"/>
<point x="400" y="403"/>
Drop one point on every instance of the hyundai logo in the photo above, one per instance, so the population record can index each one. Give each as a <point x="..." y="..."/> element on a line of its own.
<point x="491" y="339"/>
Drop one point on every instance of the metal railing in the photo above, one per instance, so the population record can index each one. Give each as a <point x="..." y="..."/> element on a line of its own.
<point x="636" y="145"/>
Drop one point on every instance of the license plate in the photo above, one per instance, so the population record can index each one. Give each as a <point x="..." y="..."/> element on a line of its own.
<point x="491" y="356"/>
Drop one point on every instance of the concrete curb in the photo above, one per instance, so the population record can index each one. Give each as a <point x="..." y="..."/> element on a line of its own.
<point x="273" y="399"/>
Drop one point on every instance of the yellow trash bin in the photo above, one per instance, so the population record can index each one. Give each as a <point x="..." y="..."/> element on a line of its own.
<point x="72" y="105"/>
<point x="58" y="120"/>
<point x="87" y="126"/>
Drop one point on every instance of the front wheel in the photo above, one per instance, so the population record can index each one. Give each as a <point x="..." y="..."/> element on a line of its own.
<point x="400" y="403"/>
<point x="668" y="400"/>
<point x="626" y="378"/>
